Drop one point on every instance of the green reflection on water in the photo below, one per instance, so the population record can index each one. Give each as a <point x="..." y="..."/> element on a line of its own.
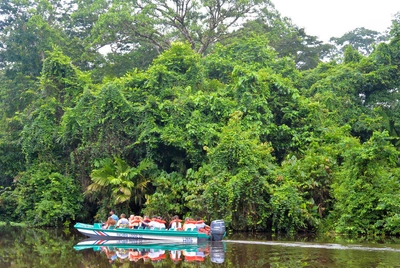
<point x="25" y="247"/>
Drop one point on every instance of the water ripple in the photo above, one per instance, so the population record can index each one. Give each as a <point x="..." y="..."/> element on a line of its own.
<point x="313" y="245"/>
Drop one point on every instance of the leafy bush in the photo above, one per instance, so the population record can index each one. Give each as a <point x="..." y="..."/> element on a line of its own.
<point x="46" y="198"/>
<point x="367" y="187"/>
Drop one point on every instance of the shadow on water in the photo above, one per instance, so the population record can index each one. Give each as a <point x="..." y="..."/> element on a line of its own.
<point x="26" y="247"/>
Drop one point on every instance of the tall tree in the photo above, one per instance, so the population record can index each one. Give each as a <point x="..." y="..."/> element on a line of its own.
<point x="395" y="27"/>
<point x="128" y="24"/>
<point x="361" y="39"/>
<point x="287" y="39"/>
<point x="28" y="29"/>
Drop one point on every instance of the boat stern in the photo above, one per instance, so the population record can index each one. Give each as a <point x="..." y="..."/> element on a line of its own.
<point x="217" y="230"/>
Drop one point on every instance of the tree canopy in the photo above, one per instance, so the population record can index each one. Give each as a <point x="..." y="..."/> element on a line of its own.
<point x="220" y="109"/>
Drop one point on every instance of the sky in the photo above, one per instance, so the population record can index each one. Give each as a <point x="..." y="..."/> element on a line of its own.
<point x="333" y="18"/>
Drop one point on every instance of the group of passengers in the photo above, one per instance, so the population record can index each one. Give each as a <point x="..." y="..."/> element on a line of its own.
<point x="136" y="222"/>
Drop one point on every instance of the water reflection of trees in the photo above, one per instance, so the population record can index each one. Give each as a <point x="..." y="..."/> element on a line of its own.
<point x="27" y="247"/>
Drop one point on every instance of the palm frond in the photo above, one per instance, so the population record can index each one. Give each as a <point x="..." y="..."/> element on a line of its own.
<point x="121" y="198"/>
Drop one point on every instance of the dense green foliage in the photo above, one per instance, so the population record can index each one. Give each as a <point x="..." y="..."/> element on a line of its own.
<point x="234" y="125"/>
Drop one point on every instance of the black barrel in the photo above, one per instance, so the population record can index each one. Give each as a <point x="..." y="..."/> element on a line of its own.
<point x="217" y="230"/>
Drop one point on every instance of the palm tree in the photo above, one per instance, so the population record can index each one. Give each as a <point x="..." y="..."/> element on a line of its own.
<point x="116" y="179"/>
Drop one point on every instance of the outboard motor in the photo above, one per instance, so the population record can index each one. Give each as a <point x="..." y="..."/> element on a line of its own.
<point x="217" y="252"/>
<point x="217" y="230"/>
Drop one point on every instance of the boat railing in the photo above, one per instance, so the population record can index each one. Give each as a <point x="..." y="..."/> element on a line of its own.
<point x="99" y="225"/>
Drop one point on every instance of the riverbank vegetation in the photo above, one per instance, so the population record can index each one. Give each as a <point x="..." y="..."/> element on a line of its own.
<point x="259" y="124"/>
<point x="14" y="224"/>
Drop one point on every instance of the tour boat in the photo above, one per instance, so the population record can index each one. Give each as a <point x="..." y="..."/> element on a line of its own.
<point x="216" y="233"/>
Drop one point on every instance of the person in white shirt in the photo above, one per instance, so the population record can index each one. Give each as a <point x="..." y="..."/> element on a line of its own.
<point x="189" y="224"/>
<point x="175" y="223"/>
<point x="157" y="223"/>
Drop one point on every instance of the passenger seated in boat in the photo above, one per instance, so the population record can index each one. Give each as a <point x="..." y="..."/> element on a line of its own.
<point x="157" y="223"/>
<point x="145" y="222"/>
<point x="200" y="223"/>
<point x="175" y="223"/>
<point x="161" y="222"/>
<point x="134" y="221"/>
<point x="189" y="224"/>
<point x="202" y="227"/>
<point x="138" y="220"/>
<point x="130" y="219"/>
<point x="153" y="224"/>
<point x="123" y="222"/>
<point x="113" y="215"/>
<point x="109" y="223"/>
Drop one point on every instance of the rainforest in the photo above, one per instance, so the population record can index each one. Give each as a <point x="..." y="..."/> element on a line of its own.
<point x="211" y="109"/>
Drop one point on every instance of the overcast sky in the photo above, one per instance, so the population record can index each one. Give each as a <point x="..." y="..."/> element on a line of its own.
<point x="333" y="18"/>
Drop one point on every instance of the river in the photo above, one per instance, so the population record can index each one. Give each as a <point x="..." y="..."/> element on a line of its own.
<point x="26" y="247"/>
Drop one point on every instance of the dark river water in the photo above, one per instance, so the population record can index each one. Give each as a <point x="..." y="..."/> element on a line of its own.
<point x="25" y="247"/>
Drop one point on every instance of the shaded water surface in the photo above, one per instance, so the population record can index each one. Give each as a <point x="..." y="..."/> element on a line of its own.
<point x="25" y="247"/>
